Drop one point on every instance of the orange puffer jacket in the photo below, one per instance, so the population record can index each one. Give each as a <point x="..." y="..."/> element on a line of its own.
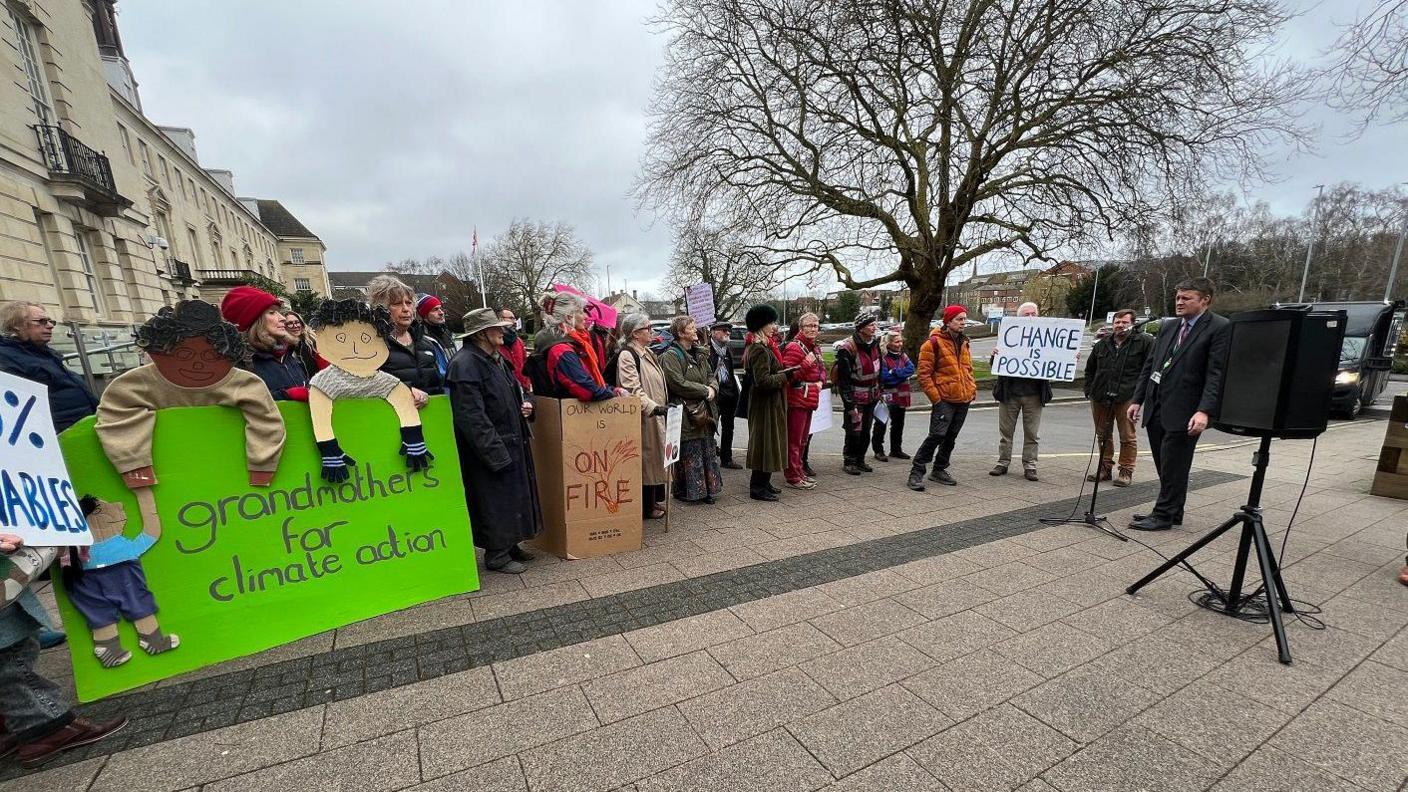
<point x="949" y="376"/>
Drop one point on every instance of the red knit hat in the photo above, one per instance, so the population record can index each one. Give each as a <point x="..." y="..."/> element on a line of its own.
<point x="426" y="304"/>
<point x="243" y="305"/>
<point x="952" y="311"/>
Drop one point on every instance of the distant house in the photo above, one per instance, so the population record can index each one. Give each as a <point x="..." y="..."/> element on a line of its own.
<point x="993" y="290"/>
<point x="663" y="309"/>
<point x="624" y="302"/>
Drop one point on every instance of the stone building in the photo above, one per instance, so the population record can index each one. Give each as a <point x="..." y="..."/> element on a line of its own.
<point x="106" y="216"/>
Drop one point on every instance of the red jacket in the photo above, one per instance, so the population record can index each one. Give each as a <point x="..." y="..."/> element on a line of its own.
<point x="804" y="385"/>
<point x="517" y="355"/>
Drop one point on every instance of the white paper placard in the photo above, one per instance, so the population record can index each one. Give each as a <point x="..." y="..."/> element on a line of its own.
<point x="882" y="412"/>
<point x="699" y="299"/>
<point x="1038" y="347"/>
<point x="37" y="501"/>
<point x="821" y="418"/>
<point x="674" y="423"/>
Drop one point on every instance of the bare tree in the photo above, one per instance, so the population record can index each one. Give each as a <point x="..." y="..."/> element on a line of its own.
<point x="524" y="260"/>
<point x="918" y="135"/>
<point x="1367" y="72"/>
<point x="722" y="255"/>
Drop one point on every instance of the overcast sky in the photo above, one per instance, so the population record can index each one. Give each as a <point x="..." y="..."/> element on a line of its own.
<point x="393" y="129"/>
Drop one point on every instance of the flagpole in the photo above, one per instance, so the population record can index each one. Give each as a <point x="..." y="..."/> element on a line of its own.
<point x="478" y="269"/>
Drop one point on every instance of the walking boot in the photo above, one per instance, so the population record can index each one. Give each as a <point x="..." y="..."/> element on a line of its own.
<point x="1103" y="474"/>
<point x="1125" y="478"/>
<point x="998" y="470"/>
<point x="942" y="477"/>
<point x="916" y="480"/>
<point x="898" y="454"/>
<point x="864" y="468"/>
<point x="849" y="466"/>
<point x="879" y="454"/>
<point x="1030" y="474"/>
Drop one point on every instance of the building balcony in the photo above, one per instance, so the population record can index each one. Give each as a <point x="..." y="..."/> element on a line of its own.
<point x="179" y="271"/>
<point x="227" y="276"/>
<point x="79" y="174"/>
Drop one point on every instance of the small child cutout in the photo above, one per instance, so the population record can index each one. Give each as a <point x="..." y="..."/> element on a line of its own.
<point x="111" y="584"/>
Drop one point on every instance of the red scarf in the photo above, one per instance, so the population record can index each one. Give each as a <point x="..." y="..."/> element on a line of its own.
<point x="584" y="349"/>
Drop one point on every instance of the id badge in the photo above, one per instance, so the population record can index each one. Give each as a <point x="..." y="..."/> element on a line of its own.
<point x="1156" y="376"/>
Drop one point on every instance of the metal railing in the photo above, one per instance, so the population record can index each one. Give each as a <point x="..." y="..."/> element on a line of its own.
<point x="110" y="358"/>
<point x="66" y="155"/>
<point x="178" y="270"/>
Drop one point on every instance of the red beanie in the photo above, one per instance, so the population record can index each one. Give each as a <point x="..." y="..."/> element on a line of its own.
<point x="426" y="304"/>
<point x="243" y="305"/>
<point x="952" y="311"/>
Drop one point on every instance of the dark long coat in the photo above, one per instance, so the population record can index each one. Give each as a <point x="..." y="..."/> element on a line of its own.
<point x="767" y="409"/>
<point x="500" y="484"/>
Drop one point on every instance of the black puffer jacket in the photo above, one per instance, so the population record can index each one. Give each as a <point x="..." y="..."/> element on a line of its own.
<point x="281" y="370"/>
<point x="69" y="397"/>
<point x="415" y="365"/>
<point x="1112" y="372"/>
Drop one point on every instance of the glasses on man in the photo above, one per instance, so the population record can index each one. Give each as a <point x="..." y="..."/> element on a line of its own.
<point x="45" y="322"/>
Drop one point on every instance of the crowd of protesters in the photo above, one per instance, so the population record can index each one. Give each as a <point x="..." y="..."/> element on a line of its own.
<point x="491" y="378"/>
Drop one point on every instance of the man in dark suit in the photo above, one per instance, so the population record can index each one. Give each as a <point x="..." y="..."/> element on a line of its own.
<point x="1179" y="387"/>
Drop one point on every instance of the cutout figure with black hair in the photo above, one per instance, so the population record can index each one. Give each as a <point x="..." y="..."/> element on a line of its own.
<point x="110" y="584"/>
<point x="352" y="339"/>
<point x="193" y="353"/>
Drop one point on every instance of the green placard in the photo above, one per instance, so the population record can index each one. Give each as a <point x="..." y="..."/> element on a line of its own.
<point x="239" y="569"/>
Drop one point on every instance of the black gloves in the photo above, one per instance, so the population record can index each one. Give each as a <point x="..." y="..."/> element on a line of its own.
<point x="413" y="448"/>
<point x="660" y="410"/>
<point x="334" y="461"/>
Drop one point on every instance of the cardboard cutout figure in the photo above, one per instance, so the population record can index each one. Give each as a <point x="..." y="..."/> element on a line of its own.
<point x="193" y="356"/>
<point x="111" y="585"/>
<point x="351" y="338"/>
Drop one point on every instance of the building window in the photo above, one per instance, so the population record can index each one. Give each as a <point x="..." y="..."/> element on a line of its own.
<point x="195" y="247"/>
<point x="146" y="158"/>
<point x="33" y="68"/>
<point x="302" y="284"/>
<point x="165" y="174"/>
<point x="295" y="255"/>
<point x="90" y="273"/>
<point x="127" y="144"/>
<point x="181" y="182"/>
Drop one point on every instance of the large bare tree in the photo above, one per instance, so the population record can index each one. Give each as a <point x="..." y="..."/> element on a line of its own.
<point x="919" y="135"/>
<point x="1367" y="70"/>
<point x="723" y="255"/>
<point x="530" y="256"/>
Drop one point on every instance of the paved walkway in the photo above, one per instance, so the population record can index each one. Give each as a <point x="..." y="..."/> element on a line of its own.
<point x="859" y="637"/>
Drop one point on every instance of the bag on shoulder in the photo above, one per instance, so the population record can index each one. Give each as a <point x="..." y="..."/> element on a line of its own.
<point x="613" y="367"/>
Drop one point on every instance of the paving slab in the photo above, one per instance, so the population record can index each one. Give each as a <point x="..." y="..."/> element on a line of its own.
<point x="504" y="730"/>
<point x="964" y="687"/>
<point x="957" y="635"/>
<point x="386" y="711"/>
<point x="1267" y="768"/>
<point x="213" y="755"/>
<point x="1085" y="703"/>
<point x="773" y="612"/>
<point x="1132" y="759"/>
<point x="568" y="665"/>
<point x="649" y="687"/>
<point x="687" y="635"/>
<point x="759" y="705"/>
<point x="1053" y="649"/>
<point x="774" y="761"/>
<point x="1367" y="751"/>
<point x="379" y="765"/>
<point x="614" y="755"/>
<point x="783" y="647"/>
<point x="861" y="623"/>
<point x="894" y="773"/>
<point x="501" y="775"/>
<point x="1222" y="725"/>
<point x="865" y="729"/>
<point x="865" y="667"/>
<point x="77" y="776"/>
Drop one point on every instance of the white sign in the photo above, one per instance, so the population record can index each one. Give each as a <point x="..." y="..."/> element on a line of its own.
<point x="882" y="412"/>
<point x="1110" y="317"/>
<point x="1038" y="347"/>
<point x="821" y="417"/>
<point x="674" y="423"/>
<point x="37" y="501"/>
<point x="700" y="300"/>
<point x="994" y="311"/>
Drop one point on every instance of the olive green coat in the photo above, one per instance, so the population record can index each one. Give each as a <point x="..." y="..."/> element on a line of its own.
<point x="767" y="410"/>
<point x="688" y="377"/>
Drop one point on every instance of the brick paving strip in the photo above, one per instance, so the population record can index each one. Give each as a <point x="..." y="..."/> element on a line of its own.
<point x="185" y="708"/>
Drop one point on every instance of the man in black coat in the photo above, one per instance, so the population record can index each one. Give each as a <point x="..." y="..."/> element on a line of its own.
<point x="25" y="352"/>
<point x="721" y="363"/>
<point x="1179" y="387"/>
<point x="1111" y="375"/>
<point x="491" y="430"/>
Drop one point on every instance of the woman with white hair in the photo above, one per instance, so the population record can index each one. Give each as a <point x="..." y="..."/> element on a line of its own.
<point x="639" y="372"/>
<point x="565" y="363"/>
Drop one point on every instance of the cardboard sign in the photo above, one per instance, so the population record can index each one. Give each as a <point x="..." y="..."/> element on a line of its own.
<point x="37" y="500"/>
<point x="1038" y="347"/>
<point x="587" y="457"/>
<point x="674" y="424"/>
<point x="821" y="416"/>
<point x="700" y="300"/>
<point x="239" y="569"/>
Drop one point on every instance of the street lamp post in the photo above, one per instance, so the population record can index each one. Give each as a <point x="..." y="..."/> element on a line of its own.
<point x="1393" y="269"/>
<point x="1310" y="246"/>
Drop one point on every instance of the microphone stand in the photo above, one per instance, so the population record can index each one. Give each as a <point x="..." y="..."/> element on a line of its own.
<point x="1090" y="517"/>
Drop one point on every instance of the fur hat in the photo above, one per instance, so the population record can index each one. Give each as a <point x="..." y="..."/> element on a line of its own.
<point x="759" y="316"/>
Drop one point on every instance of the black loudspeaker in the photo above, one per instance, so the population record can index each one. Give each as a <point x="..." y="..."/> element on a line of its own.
<point x="1280" y="372"/>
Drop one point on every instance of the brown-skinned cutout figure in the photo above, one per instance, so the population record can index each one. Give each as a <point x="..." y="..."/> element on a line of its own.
<point x="352" y="339"/>
<point x="193" y="354"/>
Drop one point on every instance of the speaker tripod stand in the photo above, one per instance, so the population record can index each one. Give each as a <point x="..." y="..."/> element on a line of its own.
<point x="1090" y="517"/>
<point x="1253" y="534"/>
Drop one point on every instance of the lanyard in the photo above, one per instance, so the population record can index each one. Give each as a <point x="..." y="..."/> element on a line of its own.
<point x="1184" y="330"/>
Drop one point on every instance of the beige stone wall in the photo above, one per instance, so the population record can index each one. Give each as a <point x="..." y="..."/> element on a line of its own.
<point x="314" y="267"/>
